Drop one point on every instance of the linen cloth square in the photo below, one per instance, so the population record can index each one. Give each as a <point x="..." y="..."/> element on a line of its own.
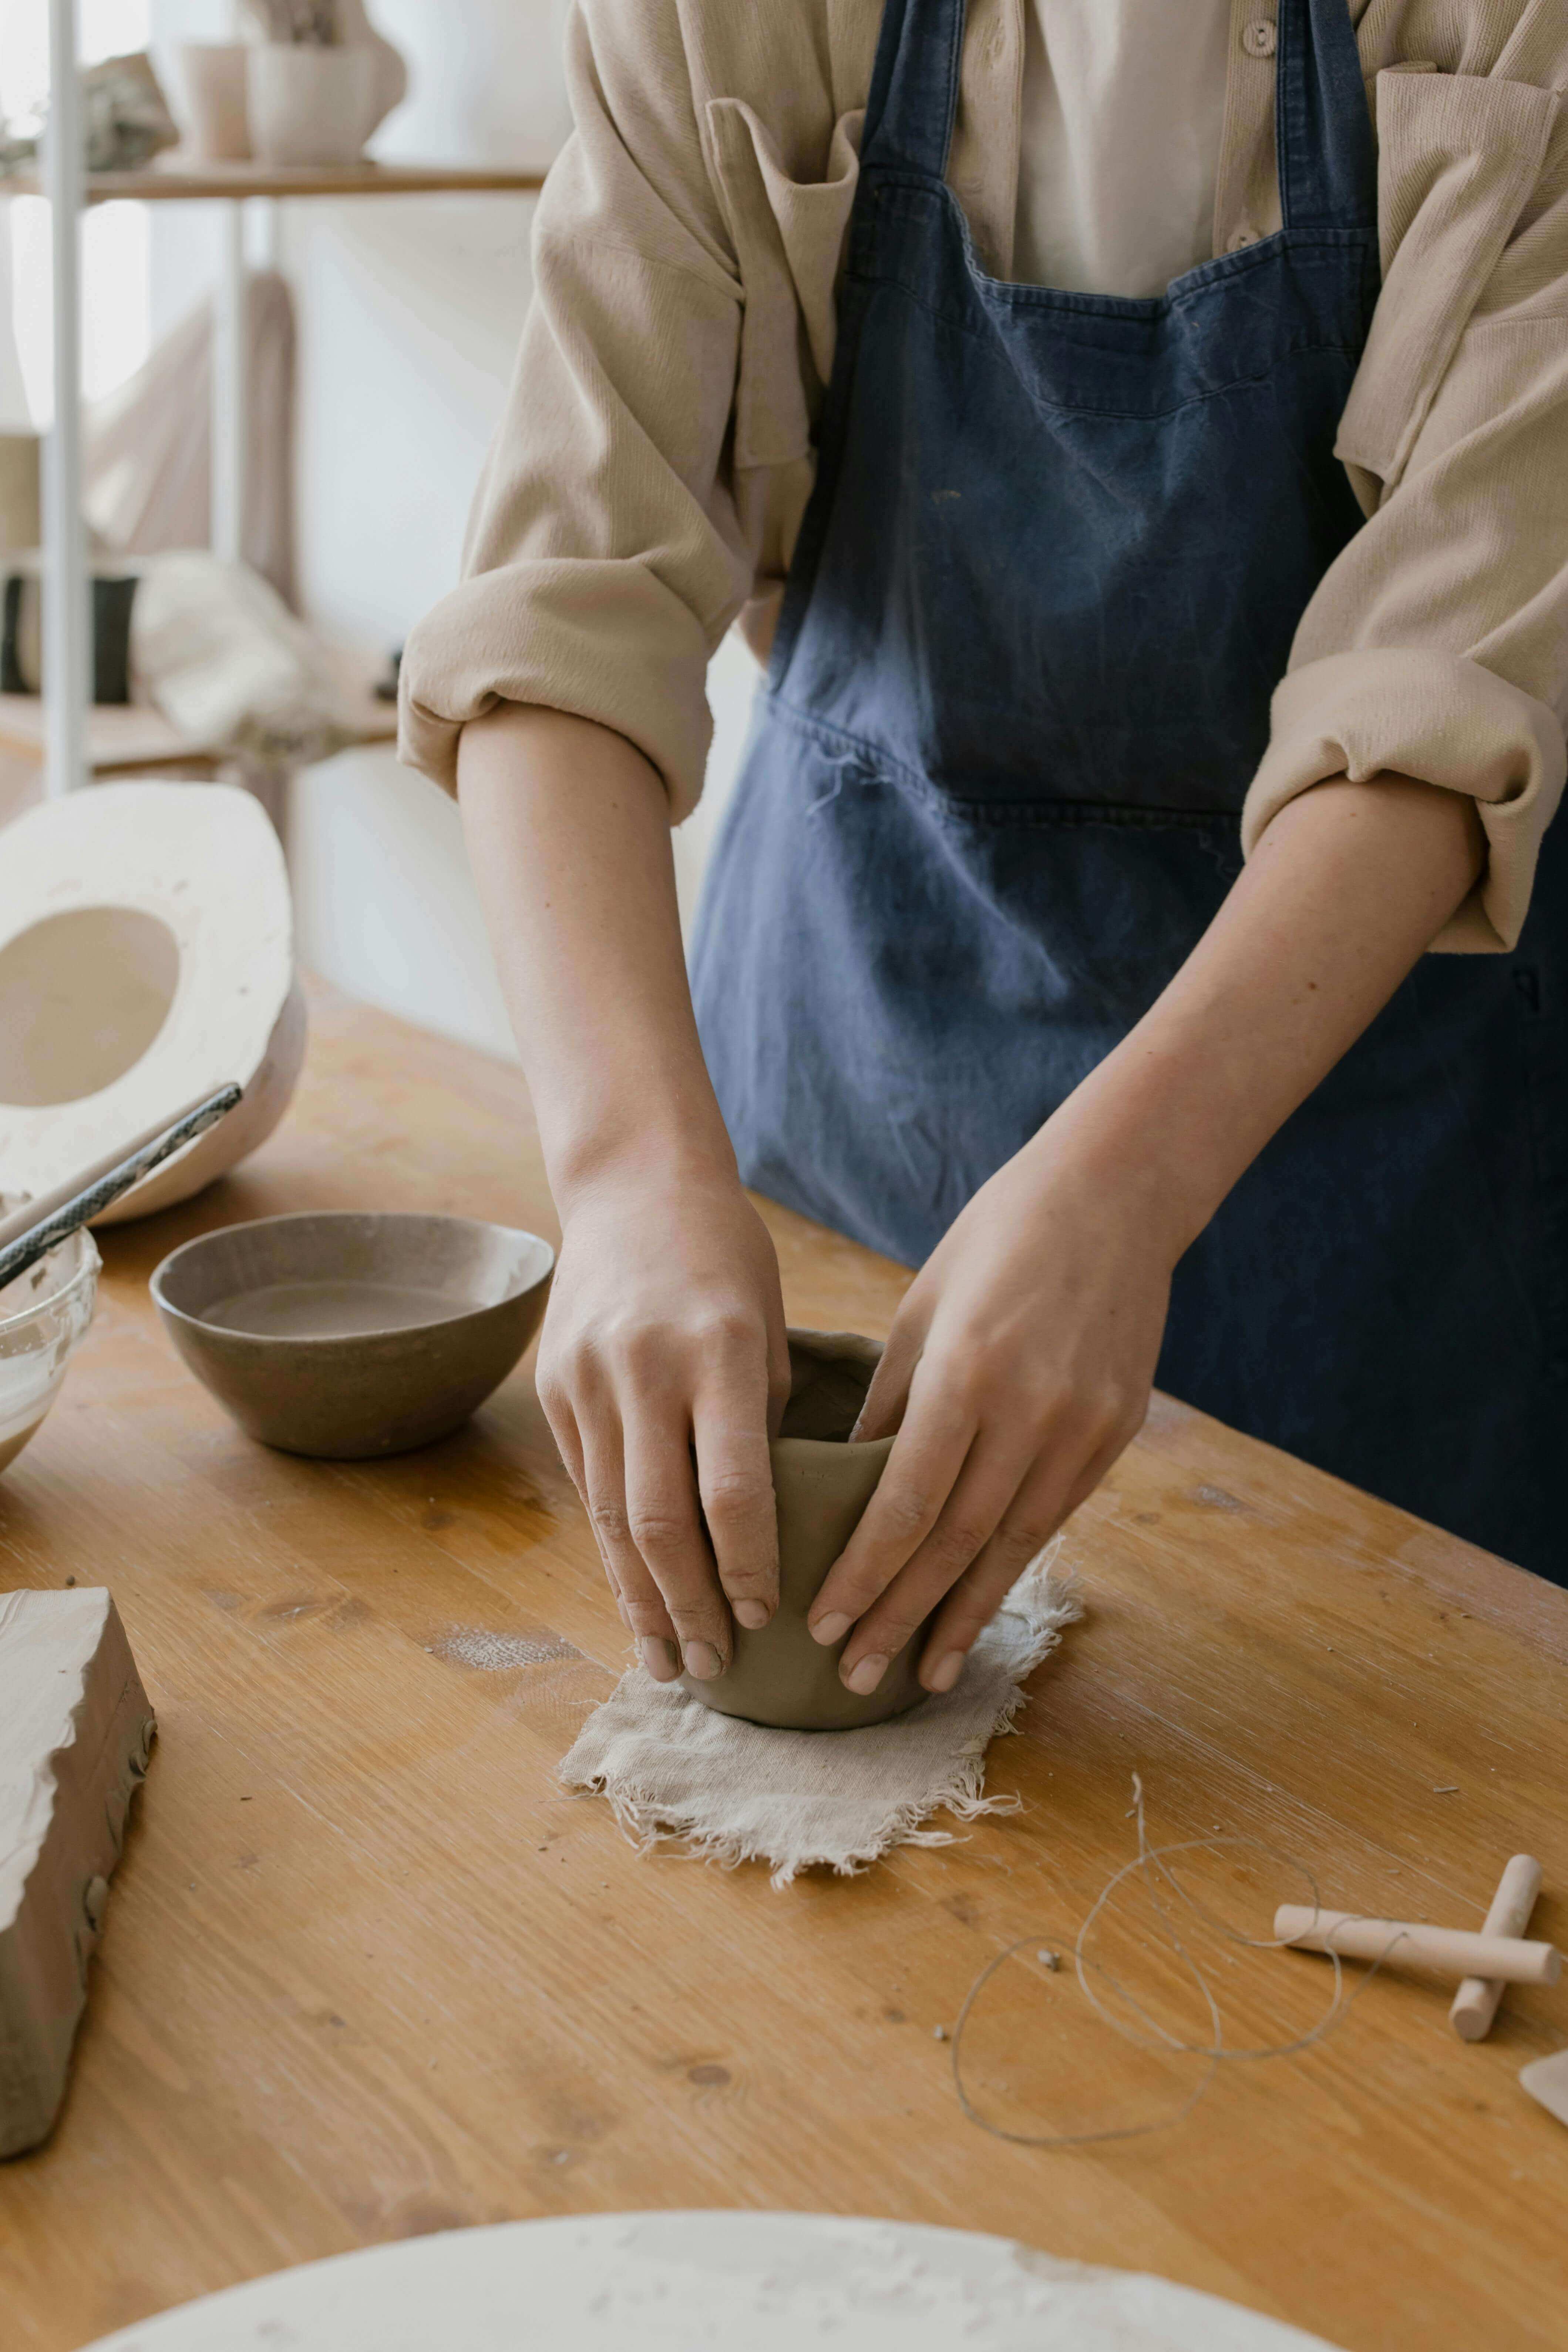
<point x="737" y="1792"/>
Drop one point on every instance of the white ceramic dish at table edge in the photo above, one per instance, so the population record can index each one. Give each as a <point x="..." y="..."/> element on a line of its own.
<point x="685" y="2282"/>
<point x="44" y="1317"/>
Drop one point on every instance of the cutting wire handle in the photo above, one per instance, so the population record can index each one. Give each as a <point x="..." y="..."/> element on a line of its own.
<point x="24" y="1253"/>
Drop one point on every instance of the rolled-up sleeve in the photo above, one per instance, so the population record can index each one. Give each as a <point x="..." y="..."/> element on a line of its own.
<point x="604" y="559"/>
<point x="1436" y="644"/>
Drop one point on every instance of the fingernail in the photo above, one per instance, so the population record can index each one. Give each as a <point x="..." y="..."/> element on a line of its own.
<point x="702" y="1661"/>
<point x="863" y="1679"/>
<point x="831" y="1628"/>
<point x="753" y="1614"/>
<point x="661" y="1658"/>
<point x="945" y="1672"/>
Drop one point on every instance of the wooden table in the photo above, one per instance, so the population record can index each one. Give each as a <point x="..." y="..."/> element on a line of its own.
<point x="369" y="1973"/>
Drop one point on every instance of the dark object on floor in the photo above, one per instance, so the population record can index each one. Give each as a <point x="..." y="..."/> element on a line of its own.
<point x="21" y="658"/>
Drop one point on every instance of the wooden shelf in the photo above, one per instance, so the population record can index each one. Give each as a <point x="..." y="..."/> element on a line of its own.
<point x="178" y="182"/>
<point x="126" y="736"/>
<point x="118" y="735"/>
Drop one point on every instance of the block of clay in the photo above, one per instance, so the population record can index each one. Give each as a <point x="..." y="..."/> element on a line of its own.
<point x="74" y="1732"/>
<point x="822" y="1485"/>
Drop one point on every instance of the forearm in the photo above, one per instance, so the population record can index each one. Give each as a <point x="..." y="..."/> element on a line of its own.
<point x="568" y="831"/>
<point x="663" y="1353"/>
<point x="1346" y="891"/>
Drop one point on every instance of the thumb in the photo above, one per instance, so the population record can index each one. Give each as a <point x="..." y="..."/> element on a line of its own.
<point x="889" y="1394"/>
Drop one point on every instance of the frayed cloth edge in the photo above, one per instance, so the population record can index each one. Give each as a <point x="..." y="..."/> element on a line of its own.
<point x="647" y="1820"/>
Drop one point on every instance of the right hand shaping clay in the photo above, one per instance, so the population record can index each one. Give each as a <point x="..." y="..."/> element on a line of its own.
<point x="822" y="1484"/>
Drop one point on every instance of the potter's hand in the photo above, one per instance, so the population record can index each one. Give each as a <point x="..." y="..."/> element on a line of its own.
<point x="1017" y="1368"/>
<point x="665" y="1335"/>
<point x="663" y="1360"/>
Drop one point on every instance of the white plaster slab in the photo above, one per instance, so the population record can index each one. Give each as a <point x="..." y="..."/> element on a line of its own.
<point x="1547" y="2081"/>
<point x="75" y="1730"/>
<point x="687" y="2281"/>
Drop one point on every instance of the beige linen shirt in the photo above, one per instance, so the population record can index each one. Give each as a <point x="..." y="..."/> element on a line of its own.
<point x="655" y="455"/>
<point x="1120" y="124"/>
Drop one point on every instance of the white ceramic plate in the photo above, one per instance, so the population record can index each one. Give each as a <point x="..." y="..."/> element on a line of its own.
<point x="687" y="2281"/>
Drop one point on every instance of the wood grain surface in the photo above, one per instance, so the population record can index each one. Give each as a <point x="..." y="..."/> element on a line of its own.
<point x="368" y="1972"/>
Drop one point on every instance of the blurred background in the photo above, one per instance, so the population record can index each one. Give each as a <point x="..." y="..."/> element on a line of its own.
<point x="396" y="331"/>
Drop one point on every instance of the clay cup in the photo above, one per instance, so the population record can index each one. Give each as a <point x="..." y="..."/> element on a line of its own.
<point x="822" y="1485"/>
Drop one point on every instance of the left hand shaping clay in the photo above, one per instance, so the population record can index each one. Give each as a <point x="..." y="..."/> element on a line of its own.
<point x="822" y="1485"/>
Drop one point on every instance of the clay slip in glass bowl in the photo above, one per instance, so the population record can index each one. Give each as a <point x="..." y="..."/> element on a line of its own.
<point x="346" y="1336"/>
<point x="43" y="1316"/>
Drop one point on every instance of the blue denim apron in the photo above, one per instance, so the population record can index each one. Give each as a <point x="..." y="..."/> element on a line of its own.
<point x="1057" y="550"/>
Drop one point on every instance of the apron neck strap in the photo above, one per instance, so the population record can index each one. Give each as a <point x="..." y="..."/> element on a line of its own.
<point x="1327" y="151"/>
<point x="1328" y="155"/>
<point x="913" y="102"/>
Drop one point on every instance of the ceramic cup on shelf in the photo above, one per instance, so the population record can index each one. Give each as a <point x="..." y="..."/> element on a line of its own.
<point x="215" y="77"/>
<point x="312" y="106"/>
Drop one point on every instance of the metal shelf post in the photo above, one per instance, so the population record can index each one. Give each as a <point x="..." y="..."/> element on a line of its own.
<point x="68" y="617"/>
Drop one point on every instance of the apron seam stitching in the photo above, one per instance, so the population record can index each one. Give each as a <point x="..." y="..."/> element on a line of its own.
<point x="882" y="766"/>
<point x="1221" y="269"/>
<point x="1129" y="416"/>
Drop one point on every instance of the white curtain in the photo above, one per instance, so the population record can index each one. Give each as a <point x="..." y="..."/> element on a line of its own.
<point x="148" y="446"/>
<point x="13" y="415"/>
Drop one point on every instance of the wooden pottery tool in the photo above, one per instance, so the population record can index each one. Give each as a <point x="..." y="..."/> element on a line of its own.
<point x="347" y="1336"/>
<point x="1444" y="1951"/>
<point x="1476" y="2002"/>
<point x="31" y="1231"/>
<point x="1547" y="2080"/>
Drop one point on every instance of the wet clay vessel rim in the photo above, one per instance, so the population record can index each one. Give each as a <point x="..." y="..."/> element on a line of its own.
<point x="803" y="1452"/>
<point x="462" y="1312"/>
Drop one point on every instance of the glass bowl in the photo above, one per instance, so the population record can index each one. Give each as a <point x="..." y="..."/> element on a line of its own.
<point x="44" y="1317"/>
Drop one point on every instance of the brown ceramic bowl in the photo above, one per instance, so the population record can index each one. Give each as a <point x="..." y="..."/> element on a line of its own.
<point x="345" y="1336"/>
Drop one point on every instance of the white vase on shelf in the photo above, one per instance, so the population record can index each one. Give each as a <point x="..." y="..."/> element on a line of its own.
<point x="355" y="31"/>
<point x="216" y="77"/>
<point x="312" y="106"/>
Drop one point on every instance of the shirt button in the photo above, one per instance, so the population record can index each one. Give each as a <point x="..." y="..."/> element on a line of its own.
<point x="1259" y="39"/>
<point x="1238" y="238"/>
